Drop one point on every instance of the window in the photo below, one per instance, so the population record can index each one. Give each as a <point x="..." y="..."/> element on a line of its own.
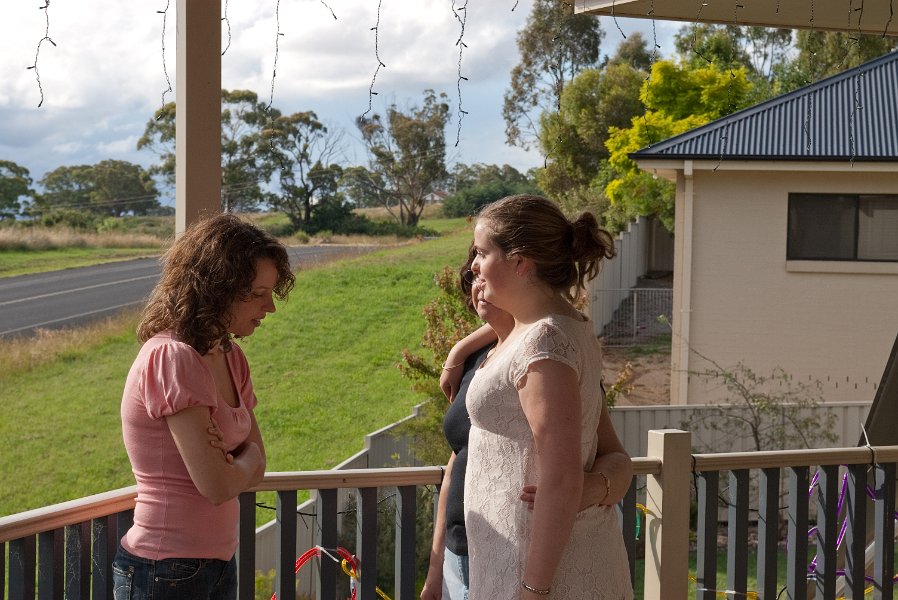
<point x="843" y="227"/>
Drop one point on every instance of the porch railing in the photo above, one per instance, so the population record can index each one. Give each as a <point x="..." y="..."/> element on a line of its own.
<point x="852" y="525"/>
<point x="70" y="546"/>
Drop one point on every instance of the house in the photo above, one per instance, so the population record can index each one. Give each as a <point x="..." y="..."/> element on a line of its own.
<point x="786" y="250"/>
<point x="435" y="197"/>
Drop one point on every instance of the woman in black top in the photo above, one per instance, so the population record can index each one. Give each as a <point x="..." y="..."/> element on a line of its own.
<point x="447" y="576"/>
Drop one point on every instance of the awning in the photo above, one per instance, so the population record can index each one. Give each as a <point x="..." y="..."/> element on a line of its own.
<point x="864" y="16"/>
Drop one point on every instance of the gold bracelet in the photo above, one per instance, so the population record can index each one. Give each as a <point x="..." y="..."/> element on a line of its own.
<point x="450" y="367"/>
<point x="534" y="590"/>
<point x="607" y="487"/>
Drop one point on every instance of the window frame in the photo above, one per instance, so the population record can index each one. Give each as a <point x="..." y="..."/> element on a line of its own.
<point x="856" y="200"/>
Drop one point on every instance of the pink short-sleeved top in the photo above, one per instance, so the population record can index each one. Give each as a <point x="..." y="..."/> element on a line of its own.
<point x="171" y="518"/>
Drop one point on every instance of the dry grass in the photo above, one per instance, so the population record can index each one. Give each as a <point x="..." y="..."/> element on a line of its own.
<point x="25" y="353"/>
<point x="40" y="238"/>
<point x="431" y="211"/>
<point x="361" y="240"/>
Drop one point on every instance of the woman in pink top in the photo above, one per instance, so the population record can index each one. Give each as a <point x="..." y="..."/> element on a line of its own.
<point x="187" y="411"/>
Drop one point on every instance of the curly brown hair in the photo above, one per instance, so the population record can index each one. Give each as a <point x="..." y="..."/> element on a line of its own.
<point x="211" y="265"/>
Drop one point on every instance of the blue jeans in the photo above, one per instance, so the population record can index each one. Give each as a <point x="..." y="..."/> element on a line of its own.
<point x="455" y="576"/>
<point x="136" y="578"/>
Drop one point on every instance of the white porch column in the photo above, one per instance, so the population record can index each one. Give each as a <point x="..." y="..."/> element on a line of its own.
<point x="682" y="304"/>
<point x="198" y="118"/>
<point x="667" y="516"/>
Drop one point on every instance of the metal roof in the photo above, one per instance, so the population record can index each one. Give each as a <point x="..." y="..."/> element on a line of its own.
<point x="849" y="116"/>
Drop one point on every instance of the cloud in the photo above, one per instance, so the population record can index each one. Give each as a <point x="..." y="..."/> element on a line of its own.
<point x="106" y="75"/>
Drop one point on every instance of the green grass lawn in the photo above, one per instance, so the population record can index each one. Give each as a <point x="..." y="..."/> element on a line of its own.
<point x="722" y="572"/>
<point x="324" y="368"/>
<point x="19" y="262"/>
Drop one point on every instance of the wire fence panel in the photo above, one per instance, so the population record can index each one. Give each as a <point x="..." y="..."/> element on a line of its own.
<point x="636" y="318"/>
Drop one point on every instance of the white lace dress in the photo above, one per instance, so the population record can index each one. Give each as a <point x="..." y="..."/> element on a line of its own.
<point x="502" y="459"/>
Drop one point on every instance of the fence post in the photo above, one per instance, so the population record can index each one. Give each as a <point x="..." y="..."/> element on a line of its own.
<point x="667" y="516"/>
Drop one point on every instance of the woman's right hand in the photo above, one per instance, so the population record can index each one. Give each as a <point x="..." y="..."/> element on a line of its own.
<point x="450" y="378"/>
<point x="433" y="584"/>
<point x="454" y="367"/>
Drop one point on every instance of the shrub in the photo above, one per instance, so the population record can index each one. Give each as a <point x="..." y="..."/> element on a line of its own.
<point x="468" y="202"/>
<point x="447" y="321"/>
<point x="74" y="219"/>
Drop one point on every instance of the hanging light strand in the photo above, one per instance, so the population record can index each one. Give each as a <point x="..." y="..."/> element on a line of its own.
<point x="648" y="77"/>
<point x="37" y="53"/>
<point x="695" y="49"/>
<point x="559" y="23"/>
<point x="885" y="29"/>
<point x="856" y="105"/>
<point x="852" y="119"/>
<point x="277" y="50"/>
<point x="806" y="126"/>
<point x="168" y="88"/>
<point x="329" y="8"/>
<point x="380" y="63"/>
<point x="725" y="132"/>
<point x="227" y="23"/>
<point x="461" y="46"/>
<point x="614" y="18"/>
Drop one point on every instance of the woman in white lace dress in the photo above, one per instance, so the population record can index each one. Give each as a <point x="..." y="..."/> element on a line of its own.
<point x="535" y="406"/>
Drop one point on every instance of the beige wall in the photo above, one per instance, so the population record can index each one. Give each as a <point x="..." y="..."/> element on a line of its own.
<point x="745" y="302"/>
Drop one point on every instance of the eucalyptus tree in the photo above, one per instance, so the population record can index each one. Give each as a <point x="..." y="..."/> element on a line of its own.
<point x="306" y="158"/>
<point x="364" y="188"/>
<point x="407" y="152"/>
<point x="554" y="46"/>
<point x="820" y="54"/>
<point x="15" y="184"/>
<point x="573" y="137"/>
<point x="245" y="168"/>
<point x="109" y="188"/>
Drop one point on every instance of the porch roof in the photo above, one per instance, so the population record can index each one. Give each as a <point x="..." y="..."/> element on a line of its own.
<point x="874" y="17"/>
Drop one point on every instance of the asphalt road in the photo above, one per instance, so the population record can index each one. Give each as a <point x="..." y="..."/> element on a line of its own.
<point x="74" y="297"/>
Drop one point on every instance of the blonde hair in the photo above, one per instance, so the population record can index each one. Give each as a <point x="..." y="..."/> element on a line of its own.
<point x="565" y="254"/>
<point x="211" y="265"/>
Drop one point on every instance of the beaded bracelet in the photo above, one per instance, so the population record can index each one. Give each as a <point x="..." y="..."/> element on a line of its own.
<point x="450" y="367"/>
<point x="534" y="590"/>
<point x="607" y="487"/>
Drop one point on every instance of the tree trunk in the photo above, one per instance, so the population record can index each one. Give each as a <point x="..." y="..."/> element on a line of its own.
<point x="307" y="211"/>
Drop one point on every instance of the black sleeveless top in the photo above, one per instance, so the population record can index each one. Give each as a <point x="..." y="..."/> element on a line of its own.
<point x="456" y="426"/>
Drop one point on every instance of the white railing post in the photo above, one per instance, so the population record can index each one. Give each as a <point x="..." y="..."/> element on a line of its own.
<point x="667" y="516"/>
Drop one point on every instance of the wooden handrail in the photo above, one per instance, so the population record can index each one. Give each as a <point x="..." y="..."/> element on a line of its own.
<point x="647" y="465"/>
<point x="48" y="518"/>
<point x="349" y="478"/>
<point x="55" y="516"/>
<point x="72" y="512"/>
<point x="795" y="458"/>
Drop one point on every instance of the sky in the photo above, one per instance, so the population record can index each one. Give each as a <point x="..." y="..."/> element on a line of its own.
<point x="105" y="76"/>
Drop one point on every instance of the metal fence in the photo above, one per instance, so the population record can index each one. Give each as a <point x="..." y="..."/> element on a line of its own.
<point x="636" y="319"/>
